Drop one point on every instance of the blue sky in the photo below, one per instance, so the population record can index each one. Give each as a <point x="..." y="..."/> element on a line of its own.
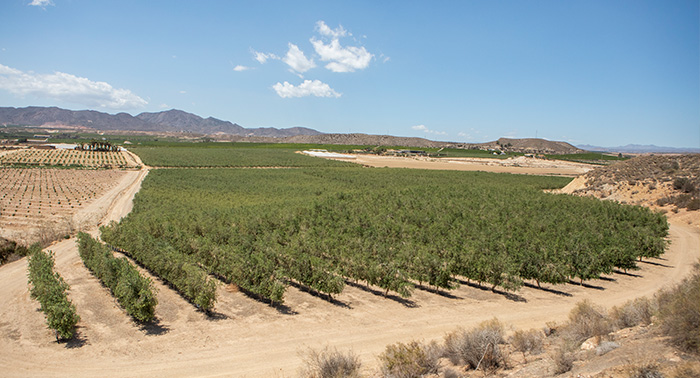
<point x="587" y="72"/>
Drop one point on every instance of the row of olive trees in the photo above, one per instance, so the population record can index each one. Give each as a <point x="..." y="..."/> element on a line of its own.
<point x="184" y="274"/>
<point x="134" y="292"/>
<point x="49" y="288"/>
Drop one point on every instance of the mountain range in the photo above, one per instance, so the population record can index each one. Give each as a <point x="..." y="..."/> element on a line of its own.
<point x="641" y="149"/>
<point x="166" y="121"/>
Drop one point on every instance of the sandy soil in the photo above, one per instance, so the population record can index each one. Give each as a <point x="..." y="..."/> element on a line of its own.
<point x="246" y="338"/>
<point x="519" y="165"/>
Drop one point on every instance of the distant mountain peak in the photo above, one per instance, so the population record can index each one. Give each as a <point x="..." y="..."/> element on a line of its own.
<point x="173" y="120"/>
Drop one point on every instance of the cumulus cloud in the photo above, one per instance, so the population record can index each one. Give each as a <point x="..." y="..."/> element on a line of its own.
<point x="41" y="3"/>
<point x="323" y="29"/>
<point x="68" y="88"/>
<point x="307" y="88"/>
<point x="262" y="58"/>
<point x="240" y="68"/>
<point x="426" y="130"/>
<point x="297" y="61"/>
<point x="340" y="58"/>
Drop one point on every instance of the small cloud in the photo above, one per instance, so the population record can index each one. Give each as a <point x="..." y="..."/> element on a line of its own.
<point x="183" y="92"/>
<point x="69" y="88"/>
<point x="323" y="29"/>
<point x="426" y="130"/>
<point x="41" y="3"/>
<point x="240" y="68"/>
<point x="263" y="57"/>
<point x="297" y="61"/>
<point x="163" y="106"/>
<point x="384" y="58"/>
<point x="307" y="88"/>
<point x="340" y="58"/>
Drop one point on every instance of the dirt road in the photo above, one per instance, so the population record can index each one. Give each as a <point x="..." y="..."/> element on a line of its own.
<point x="247" y="338"/>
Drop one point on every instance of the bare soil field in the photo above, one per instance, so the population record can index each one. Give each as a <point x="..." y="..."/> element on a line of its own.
<point x="51" y="200"/>
<point x="519" y="165"/>
<point x="247" y="338"/>
<point x="66" y="157"/>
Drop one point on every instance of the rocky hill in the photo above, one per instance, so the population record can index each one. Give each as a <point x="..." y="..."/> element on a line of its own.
<point x="166" y="121"/>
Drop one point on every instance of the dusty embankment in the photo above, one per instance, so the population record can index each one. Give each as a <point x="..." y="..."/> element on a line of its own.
<point x="519" y="165"/>
<point x="249" y="338"/>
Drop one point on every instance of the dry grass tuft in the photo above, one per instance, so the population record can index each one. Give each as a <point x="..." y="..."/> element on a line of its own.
<point x="329" y="363"/>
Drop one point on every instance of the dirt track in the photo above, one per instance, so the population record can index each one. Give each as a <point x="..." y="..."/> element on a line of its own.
<point x="249" y="338"/>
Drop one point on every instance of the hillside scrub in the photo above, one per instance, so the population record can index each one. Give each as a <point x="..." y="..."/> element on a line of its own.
<point x="134" y="292"/>
<point x="10" y="250"/>
<point x="390" y="229"/>
<point x="679" y="312"/>
<point x="49" y="288"/>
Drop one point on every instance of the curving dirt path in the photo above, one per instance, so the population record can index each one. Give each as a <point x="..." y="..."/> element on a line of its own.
<point x="249" y="338"/>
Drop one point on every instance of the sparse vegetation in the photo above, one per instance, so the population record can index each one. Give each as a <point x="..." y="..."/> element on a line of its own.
<point x="632" y="313"/>
<point x="478" y="348"/>
<point x="679" y="312"/>
<point x="410" y="360"/>
<point x="527" y="342"/>
<point x="330" y="363"/>
<point x="11" y="251"/>
<point x="586" y="321"/>
<point x="29" y="157"/>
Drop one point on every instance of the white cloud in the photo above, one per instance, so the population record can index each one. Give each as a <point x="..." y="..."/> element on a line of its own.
<point x="297" y="61"/>
<point x="342" y="59"/>
<point x="41" y="3"/>
<point x="183" y="92"/>
<point x="240" y="68"/>
<point x="323" y="29"/>
<point x="263" y="57"/>
<point x="307" y="88"/>
<point x="69" y="88"/>
<point x="426" y="130"/>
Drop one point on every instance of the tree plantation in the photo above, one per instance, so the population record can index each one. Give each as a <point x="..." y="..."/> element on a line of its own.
<point x="393" y="229"/>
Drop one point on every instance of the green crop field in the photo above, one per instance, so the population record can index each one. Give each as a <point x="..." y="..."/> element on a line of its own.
<point x="319" y="227"/>
<point x="227" y="155"/>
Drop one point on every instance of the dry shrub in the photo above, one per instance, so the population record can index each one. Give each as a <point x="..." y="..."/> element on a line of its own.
<point x="550" y="328"/>
<point x="563" y="357"/>
<point x="478" y="347"/>
<point x="687" y="370"/>
<point x="586" y="321"/>
<point x="329" y="363"/>
<point x="527" y="342"/>
<point x="410" y="360"/>
<point x="632" y="313"/>
<point x="645" y="370"/>
<point x="679" y="312"/>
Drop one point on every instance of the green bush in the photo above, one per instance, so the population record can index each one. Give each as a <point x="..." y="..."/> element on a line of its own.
<point x="134" y="292"/>
<point x="49" y="289"/>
